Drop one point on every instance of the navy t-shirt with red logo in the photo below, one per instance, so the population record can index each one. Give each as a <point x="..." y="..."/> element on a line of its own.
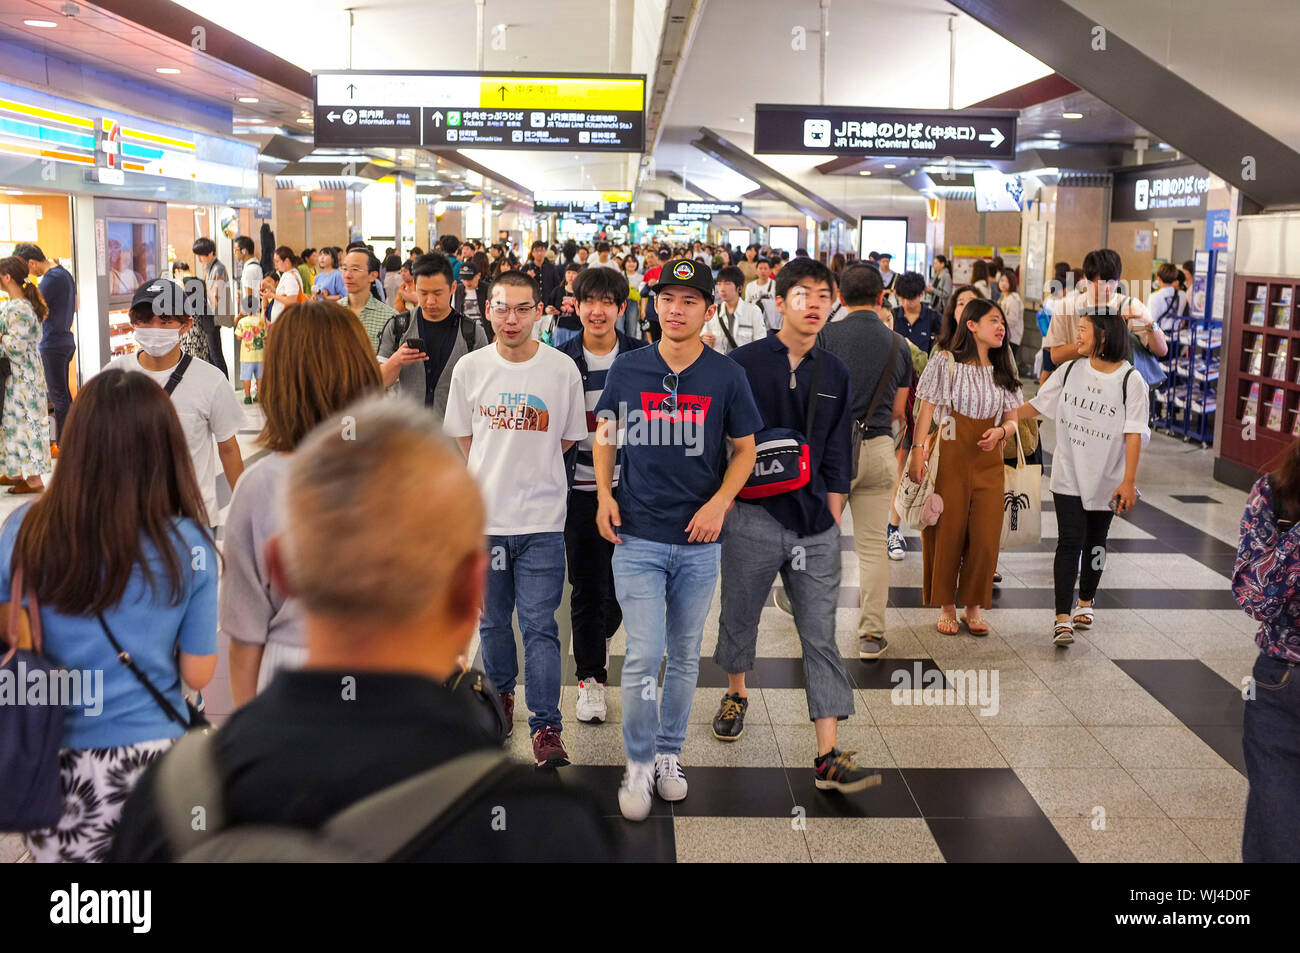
<point x="672" y="464"/>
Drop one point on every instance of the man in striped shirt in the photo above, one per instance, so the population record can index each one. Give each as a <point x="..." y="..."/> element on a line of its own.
<point x="601" y="295"/>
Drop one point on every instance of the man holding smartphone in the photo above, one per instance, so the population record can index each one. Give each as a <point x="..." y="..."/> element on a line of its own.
<point x="419" y="349"/>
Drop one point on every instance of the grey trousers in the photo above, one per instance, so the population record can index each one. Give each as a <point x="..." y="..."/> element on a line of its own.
<point x="755" y="547"/>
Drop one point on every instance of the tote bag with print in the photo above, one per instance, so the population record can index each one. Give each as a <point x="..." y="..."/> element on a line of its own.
<point x="1022" y="502"/>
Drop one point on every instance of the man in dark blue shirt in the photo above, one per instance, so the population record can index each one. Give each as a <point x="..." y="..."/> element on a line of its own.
<point x="795" y="533"/>
<point x="57" y="343"/>
<point x="676" y="403"/>
<point x="917" y="322"/>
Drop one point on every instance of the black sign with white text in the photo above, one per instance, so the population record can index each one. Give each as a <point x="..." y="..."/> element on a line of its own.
<point x="865" y="131"/>
<point x="1177" y="190"/>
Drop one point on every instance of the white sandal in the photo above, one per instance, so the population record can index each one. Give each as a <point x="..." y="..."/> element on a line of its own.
<point x="1082" y="616"/>
<point x="1063" y="634"/>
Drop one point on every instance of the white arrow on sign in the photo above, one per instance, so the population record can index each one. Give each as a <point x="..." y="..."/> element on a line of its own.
<point x="994" y="138"/>
<point x="331" y="115"/>
<point x="437" y="118"/>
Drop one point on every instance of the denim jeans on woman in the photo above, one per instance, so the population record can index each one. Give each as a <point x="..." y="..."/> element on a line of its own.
<point x="525" y="573"/>
<point x="1271" y="743"/>
<point x="665" y="591"/>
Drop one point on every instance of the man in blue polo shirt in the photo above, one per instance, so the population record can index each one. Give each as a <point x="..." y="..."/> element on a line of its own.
<point x="676" y="403"/>
<point x="795" y="533"/>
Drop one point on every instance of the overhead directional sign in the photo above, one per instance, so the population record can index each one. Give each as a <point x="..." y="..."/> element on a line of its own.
<point x="574" y="202"/>
<point x="450" y="110"/>
<point x="701" y="210"/>
<point x="867" y="131"/>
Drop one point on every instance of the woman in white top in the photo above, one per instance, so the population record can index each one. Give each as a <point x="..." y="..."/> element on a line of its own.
<point x="289" y="289"/>
<point x="975" y="388"/>
<point x="1100" y="407"/>
<point x="1167" y="303"/>
<point x="1014" y="309"/>
<point x="979" y="276"/>
<point x="631" y="271"/>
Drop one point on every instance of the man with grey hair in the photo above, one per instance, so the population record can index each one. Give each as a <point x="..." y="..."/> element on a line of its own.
<point x="370" y="709"/>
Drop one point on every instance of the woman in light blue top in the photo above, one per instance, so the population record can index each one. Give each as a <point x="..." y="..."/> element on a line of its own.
<point x="117" y="546"/>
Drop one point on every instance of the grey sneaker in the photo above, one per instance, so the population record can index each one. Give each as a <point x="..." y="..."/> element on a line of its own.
<point x="894" y="543"/>
<point x="871" y="646"/>
<point x="782" y="600"/>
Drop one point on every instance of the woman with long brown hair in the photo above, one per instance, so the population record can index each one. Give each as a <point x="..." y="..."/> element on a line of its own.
<point x="25" y="423"/>
<point x="318" y="359"/>
<point x="116" y="553"/>
<point x="976" y="389"/>
<point x="1264" y="583"/>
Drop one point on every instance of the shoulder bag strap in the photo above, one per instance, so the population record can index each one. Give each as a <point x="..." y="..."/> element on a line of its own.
<point x="124" y="657"/>
<point x="1069" y="366"/>
<point x="379" y="826"/>
<point x="175" y="380"/>
<point x="884" y="379"/>
<point x="812" y="396"/>
<point x="467" y="329"/>
<point x="727" y="331"/>
<point x="1124" y="384"/>
<point x="14" y="635"/>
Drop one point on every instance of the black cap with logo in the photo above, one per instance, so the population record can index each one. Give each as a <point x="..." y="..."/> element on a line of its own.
<point x="684" y="273"/>
<point x="168" y="299"/>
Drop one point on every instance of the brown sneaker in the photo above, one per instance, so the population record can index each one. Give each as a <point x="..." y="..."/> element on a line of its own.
<point x="508" y="703"/>
<point x="548" y="749"/>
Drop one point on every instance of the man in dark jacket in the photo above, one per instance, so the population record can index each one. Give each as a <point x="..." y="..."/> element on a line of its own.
<point x="370" y="710"/>
<point x="601" y="295"/>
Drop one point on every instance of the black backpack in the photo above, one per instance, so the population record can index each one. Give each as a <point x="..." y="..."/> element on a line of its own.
<point x="401" y="322"/>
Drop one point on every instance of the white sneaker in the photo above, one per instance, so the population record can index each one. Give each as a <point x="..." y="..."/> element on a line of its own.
<point x="669" y="777"/>
<point x="591" y="702"/>
<point x="636" y="793"/>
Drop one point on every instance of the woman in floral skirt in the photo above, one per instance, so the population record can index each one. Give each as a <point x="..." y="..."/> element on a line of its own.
<point x="25" y="420"/>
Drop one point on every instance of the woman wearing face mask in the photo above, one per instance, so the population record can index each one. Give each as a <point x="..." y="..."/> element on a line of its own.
<point x="25" y="428"/>
<point x="977" y="391"/>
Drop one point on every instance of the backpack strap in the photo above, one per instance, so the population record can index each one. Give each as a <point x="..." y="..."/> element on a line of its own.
<point x="467" y="329"/>
<point x="377" y="827"/>
<point x="175" y="380"/>
<point x="1124" y="384"/>
<point x="1069" y="366"/>
<point x="187" y="779"/>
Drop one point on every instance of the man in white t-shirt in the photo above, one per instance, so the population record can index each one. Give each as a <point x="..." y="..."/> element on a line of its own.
<point x="204" y="400"/>
<point x="762" y="292"/>
<point x="516" y="408"/>
<point x="1102" y="270"/>
<point x="736" y="322"/>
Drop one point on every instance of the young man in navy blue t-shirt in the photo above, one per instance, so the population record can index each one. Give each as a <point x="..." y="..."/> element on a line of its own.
<point x="795" y="533"/>
<point x="674" y="405"/>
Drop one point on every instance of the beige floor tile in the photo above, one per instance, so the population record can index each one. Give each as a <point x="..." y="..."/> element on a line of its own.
<point x="1219" y="840"/>
<point x="756" y="748"/>
<point x="789" y="706"/>
<point x="942" y="747"/>
<point x="1053" y="746"/>
<point x="871" y="840"/>
<point x="1021" y="706"/>
<point x="1235" y="671"/>
<point x="1079" y="792"/>
<point x="909" y="708"/>
<point x="1106" y="707"/>
<point x="1143" y="644"/>
<point x="1127" y="840"/>
<point x="729" y="840"/>
<point x="1218" y="794"/>
<point x="1157" y="747"/>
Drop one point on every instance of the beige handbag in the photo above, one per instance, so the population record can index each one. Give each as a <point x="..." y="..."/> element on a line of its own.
<point x="917" y="504"/>
<point x="1022" y="502"/>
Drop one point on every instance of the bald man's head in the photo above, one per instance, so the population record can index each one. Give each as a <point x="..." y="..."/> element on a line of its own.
<point x="383" y="521"/>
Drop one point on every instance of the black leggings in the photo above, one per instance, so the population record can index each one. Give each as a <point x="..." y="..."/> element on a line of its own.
<point x="1079" y="533"/>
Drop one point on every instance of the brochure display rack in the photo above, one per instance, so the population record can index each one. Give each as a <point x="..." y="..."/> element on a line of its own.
<point x="1186" y="403"/>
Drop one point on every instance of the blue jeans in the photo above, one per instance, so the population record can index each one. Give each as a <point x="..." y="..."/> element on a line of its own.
<point x="1271" y="743"/>
<point x="525" y="573"/>
<point x="665" y="591"/>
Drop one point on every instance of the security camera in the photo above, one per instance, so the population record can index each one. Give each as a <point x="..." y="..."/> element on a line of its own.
<point x="70" y="9"/>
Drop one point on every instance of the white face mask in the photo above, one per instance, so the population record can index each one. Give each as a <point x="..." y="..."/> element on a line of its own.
<point x="157" y="342"/>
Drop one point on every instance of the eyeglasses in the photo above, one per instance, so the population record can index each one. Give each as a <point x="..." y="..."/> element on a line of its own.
<point x="521" y="311"/>
<point x="669" y="404"/>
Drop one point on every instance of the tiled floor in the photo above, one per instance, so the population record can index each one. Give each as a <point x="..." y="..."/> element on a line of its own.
<point x="1123" y="747"/>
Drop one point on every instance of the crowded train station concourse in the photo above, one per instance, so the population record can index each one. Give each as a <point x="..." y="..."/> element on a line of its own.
<point x="651" y="431"/>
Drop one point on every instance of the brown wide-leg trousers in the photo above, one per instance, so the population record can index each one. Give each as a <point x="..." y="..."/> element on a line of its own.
<point x="960" y="552"/>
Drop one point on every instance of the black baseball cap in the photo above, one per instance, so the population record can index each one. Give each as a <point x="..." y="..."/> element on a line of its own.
<point x="684" y="273"/>
<point x="167" y="298"/>
<point x="665" y="252"/>
<point x="468" y="270"/>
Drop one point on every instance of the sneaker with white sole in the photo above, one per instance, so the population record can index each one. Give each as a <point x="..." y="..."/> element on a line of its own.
<point x="636" y="792"/>
<point x="591" y="702"/>
<point x="894" y="543"/>
<point x="670" y="779"/>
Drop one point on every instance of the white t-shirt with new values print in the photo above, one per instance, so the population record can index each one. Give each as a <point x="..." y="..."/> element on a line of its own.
<point x="518" y="414"/>
<point x="1092" y="418"/>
